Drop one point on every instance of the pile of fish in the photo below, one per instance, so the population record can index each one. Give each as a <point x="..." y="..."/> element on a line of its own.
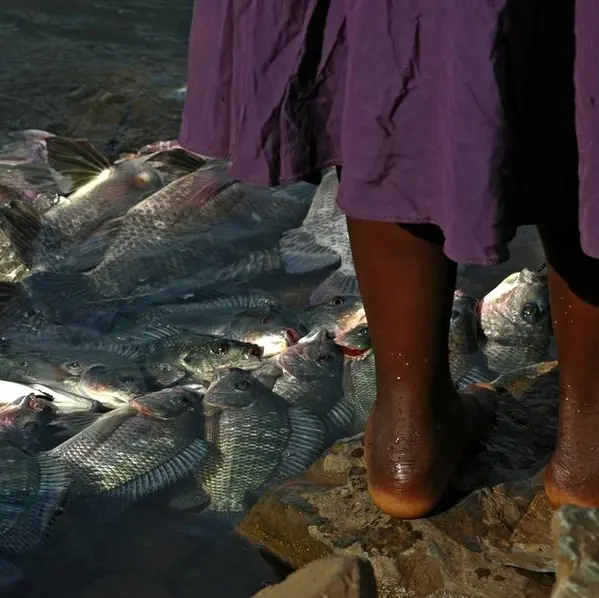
<point x="163" y="325"/>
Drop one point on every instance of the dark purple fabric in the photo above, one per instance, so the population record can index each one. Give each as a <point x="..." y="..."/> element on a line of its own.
<point x="475" y="115"/>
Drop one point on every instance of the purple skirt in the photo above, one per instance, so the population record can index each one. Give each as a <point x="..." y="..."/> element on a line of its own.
<point x="474" y="115"/>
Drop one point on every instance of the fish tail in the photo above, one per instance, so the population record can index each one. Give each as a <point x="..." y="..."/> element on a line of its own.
<point x="72" y="298"/>
<point x="22" y="224"/>
<point x="301" y="252"/>
<point x="42" y="506"/>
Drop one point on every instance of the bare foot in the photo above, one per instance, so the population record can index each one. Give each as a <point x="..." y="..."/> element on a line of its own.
<point x="410" y="461"/>
<point x="575" y="484"/>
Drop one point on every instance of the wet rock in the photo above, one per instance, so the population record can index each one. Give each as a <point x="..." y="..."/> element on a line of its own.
<point x="576" y="535"/>
<point x="491" y="539"/>
<point x="332" y="577"/>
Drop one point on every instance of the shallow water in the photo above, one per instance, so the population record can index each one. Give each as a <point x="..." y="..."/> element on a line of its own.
<point x="111" y="71"/>
<point x="79" y="67"/>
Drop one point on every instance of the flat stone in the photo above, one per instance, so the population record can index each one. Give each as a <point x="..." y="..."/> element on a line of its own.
<point x="331" y="577"/>
<point x="576" y="536"/>
<point x="491" y="539"/>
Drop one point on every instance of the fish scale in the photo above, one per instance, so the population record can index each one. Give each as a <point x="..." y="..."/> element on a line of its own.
<point x="125" y="455"/>
<point x="31" y="492"/>
<point x="250" y="446"/>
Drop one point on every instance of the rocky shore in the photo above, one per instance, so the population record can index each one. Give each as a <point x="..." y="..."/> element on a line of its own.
<point x="496" y="538"/>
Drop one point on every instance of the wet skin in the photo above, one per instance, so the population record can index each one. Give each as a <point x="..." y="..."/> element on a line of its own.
<point x="420" y="426"/>
<point x="572" y="476"/>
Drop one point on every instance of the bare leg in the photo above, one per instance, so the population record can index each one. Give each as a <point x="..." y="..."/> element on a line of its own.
<point x="420" y="425"/>
<point x="573" y="473"/>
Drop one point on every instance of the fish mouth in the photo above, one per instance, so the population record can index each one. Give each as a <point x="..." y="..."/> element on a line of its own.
<point x="352" y="351"/>
<point x="292" y="336"/>
<point x="256" y="351"/>
<point x="142" y="409"/>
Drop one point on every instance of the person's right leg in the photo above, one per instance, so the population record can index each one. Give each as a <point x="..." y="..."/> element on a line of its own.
<point x="420" y="425"/>
<point x="573" y="473"/>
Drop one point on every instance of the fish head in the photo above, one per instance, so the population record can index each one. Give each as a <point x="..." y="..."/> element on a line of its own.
<point x="355" y="341"/>
<point x="234" y="388"/>
<point x="102" y="382"/>
<point x="266" y="330"/>
<point x="517" y="310"/>
<point x="315" y="356"/>
<point x="27" y="417"/>
<point x="168" y="404"/>
<point x="137" y="176"/>
<point x="220" y="353"/>
<point x="463" y="324"/>
<point x="336" y="314"/>
<point x="165" y="371"/>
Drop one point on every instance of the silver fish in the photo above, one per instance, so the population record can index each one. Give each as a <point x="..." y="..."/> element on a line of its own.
<point x="32" y="489"/>
<point x="257" y="439"/>
<point x="135" y="450"/>
<point x="100" y="192"/>
<point x="312" y="373"/>
<point x="321" y="242"/>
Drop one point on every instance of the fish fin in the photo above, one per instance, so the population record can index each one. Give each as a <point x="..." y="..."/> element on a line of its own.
<point x="154" y="332"/>
<point x="341" y="282"/>
<point x="89" y="253"/>
<point x="106" y="505"/>
<point x="22" y="225"/>
<point x="13" y="300"/>
<point x="67" y="425"/>
<point x="31" y="526"/>
<point x="9" y="574"/>
<point x="72" y="298"/>
<point x="74" y="162"/>
<point x="301" y="252"/>
<point x="189" y="500"/>
<point x="306" y="443"/>
<point x="178" y="158"/>
<point x="338" y="421"/>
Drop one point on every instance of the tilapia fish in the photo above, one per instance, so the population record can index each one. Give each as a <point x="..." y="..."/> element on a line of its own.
<point x="321" y="242"/>
<point x="516" y="321"/>
<point x="337" y="314"/>
<point x="359" y="373"/>
<point x="173" y="357"/>
<point x="243" y="318"/>
<point x="135" y="450"/>
<point x="200" y="220"/>
<point x="109" y="378"/>
<point x="100" y="192"/>
<point x="32" y="489"/>
<point x="467" y="363"/>
<point x="257" y="439"/>
<point x="312" y="376"/>
<point x="24" y="421"/>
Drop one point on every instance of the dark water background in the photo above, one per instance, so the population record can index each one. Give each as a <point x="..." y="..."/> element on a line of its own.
<point x="106" y="70"/>
<point x="78" y="67"/>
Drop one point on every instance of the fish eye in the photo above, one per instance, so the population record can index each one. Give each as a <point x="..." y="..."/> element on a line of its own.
<point x="143" y="179"/>
<point x="455" y="314"/>
<point x="324" y="358"/>
<point x="530" y="312"/>
<point x="221" y="349"/>
<point x="73" y="365"/>
<point x="337" y="300"/>
<point x="242" y="385"/>
<point x="24" y="363"/>
<point x="266" y="320"/>
<point x="185" y="400"/>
